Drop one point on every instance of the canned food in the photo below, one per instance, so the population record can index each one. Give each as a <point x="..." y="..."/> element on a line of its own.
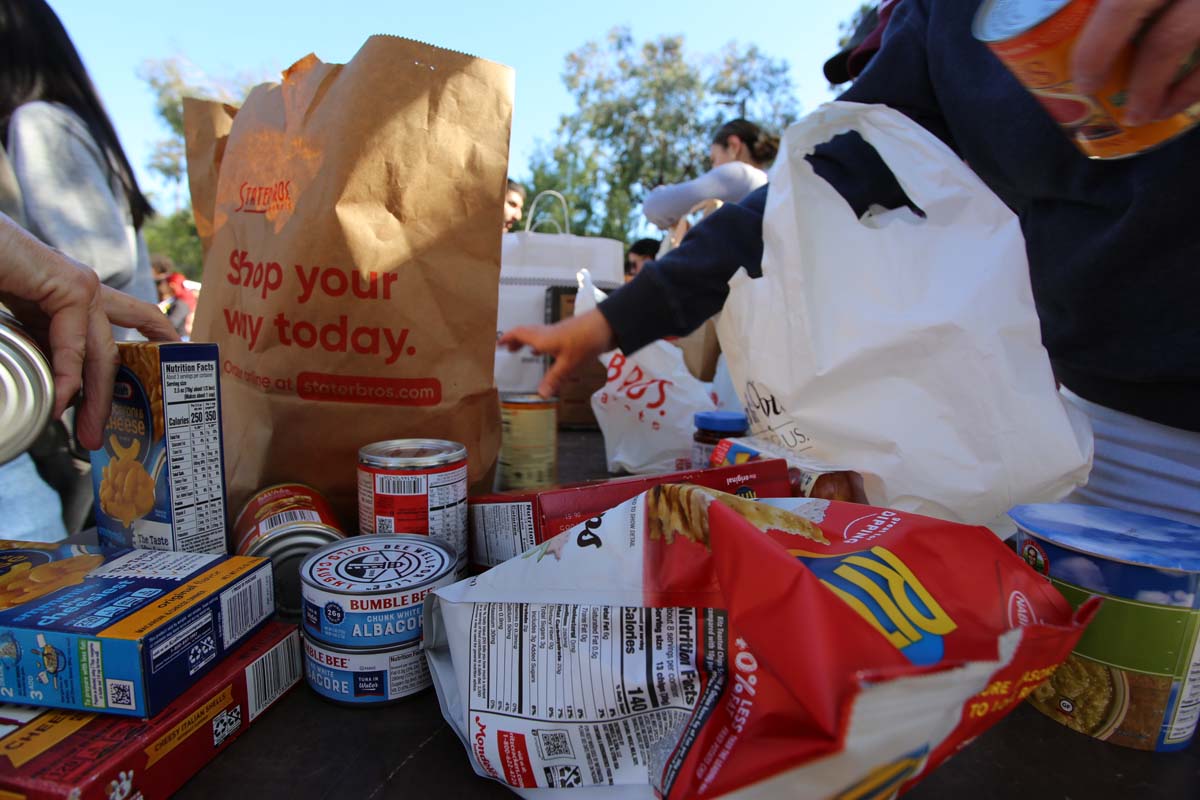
<point x="369" y="591"/>
<point x="26" y="389"/>
<point x="529" y="442"/>
<point x="285" y="523"/>
<point x="415" y="486"/>
<point x="364" y="677"/>
<point x="1134" y="677"/>
<point x="1035" y="39"/>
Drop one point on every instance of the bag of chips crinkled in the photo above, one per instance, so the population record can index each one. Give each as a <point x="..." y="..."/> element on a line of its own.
<point x="689" y="643"/>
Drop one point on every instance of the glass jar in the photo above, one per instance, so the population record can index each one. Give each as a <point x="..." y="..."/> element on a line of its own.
<point x="711" y="428"/>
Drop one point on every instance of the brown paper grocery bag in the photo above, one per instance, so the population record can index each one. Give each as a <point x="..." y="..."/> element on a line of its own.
<point x="351" y="217"/>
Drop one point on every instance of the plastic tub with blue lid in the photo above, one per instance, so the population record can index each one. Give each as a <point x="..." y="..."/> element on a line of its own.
<point x="1134" y="678"/>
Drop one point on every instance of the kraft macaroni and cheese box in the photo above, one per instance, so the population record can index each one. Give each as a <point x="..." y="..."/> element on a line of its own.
<point x="52" y="754"/>
<point x="121" y="631"/>
<point x="159" y="479"/>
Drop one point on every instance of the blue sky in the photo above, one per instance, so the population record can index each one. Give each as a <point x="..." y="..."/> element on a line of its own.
<point x="231" y="37"/>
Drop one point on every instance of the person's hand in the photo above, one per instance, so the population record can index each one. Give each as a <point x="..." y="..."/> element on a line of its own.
<point x="1155" y="90"/>
<point x="63" y="304"/>
<point x="572" y="343"/>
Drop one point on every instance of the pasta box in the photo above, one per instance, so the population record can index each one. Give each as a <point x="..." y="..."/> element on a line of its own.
<point x="506" y="524"/>
<point x="54" y="754"/>
<point x="120" y="630"/>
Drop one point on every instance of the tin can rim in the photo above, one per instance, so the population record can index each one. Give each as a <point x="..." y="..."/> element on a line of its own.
<point x="423" y="453"/>
<point x="528" y="398"/>
<point x="289" y="536"/>
<point x="986" y="28"/>
<point x="451" y="562"/>
<point x="28" y="366"/>
<point x="342" y="649"/>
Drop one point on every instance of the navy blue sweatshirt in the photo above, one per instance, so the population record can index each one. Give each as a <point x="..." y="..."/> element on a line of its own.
<point x="1114" y="246"/>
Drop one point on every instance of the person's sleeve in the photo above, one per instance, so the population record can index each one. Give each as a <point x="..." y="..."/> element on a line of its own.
<point x="729" y="183"/>
<point x="675" y="294"/>
<point x="69" y="202"/>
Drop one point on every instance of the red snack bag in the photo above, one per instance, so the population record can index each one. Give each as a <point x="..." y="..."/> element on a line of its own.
<point x="695" y="644"/>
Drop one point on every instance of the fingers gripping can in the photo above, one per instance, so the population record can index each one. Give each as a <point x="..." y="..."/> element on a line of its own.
<point x="1035" y="40"/>
<point x="285" y="523"/>
<point x="416" y="486"/>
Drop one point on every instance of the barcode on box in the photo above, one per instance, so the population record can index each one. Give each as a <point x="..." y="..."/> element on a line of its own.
<point x="119" y="694"/>
<point x="400" y="484"/>
<point x="272" y="674"/>
<point x="287" y="518"/>
<point x="245" y="604"/>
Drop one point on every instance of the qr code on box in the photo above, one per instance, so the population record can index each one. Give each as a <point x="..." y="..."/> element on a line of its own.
<point x="119" y="694"/>
<point x="554" y="744"/>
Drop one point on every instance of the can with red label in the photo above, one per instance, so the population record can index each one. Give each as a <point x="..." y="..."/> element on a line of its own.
<point x="285" y="523"/>
<point x="1035" y="40"/>
<point x="415" y="486"/>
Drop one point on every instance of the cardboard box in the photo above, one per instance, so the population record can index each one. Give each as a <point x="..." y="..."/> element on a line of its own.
<point x="507" y="524"/>
<point x="575" y="395"/>
<point x="74" y="755"/>
<point x="122" y="631"/>
<point x="159" y="479"/>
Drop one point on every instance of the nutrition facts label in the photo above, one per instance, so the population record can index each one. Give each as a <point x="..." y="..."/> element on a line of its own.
<point x="432" y="502"/>
<point x="1187" y="712"/>
<point x="500" y="531"/>
<point x="193" y="434"/>
<point x="580" y="695"/>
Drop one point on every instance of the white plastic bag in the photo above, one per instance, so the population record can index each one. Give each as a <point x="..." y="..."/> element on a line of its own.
<point x="530" y="264"/>
<point x="645" y="408"/>
<point x="907" y="349"/>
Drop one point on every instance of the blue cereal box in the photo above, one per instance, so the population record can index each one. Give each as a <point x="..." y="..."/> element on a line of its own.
<point x="159" y="478"/>
<point x="120" y="630"/>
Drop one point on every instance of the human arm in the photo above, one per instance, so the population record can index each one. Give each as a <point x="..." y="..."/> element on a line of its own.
<point x="666" y="205"/>
<point x="69" y="200"/>
<point x="63" y="303"/>
<point x="1171" y="37"/>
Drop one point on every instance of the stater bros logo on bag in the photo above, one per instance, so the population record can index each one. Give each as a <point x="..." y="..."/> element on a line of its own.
<point x="690" y="643"/>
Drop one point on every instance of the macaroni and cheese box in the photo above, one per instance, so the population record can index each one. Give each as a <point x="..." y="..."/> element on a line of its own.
<point x="506" y="524"/>
<point x="122" y="631"/>
<point x="73" y="755"/>
<point x="159" y="479"/>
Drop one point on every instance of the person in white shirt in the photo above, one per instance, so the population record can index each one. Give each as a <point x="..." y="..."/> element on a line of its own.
<point x="741" y="151"/>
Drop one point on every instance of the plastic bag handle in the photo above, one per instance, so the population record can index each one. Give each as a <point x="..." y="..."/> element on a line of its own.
<point x="566" y="227"/>
<point x="919" y="160"/>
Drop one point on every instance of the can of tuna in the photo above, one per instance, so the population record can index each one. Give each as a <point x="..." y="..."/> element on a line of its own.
<point x="26" y="388"/>
<point x="416" y="486"/>
<point x="285" y="523"/>
<point x="369" y="591"/>
<point x="1035" y="39"/>
<point x="529" y="442"/>
<point x="364" y="677"/>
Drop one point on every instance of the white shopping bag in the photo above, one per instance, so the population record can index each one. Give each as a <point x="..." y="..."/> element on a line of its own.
<point x="646" y="406"/>
<point x="531" y="263"/>
<point x="907" y="349"/>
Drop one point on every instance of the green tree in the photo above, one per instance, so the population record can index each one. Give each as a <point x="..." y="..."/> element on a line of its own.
<point x="173" y="233"/>
<point x="644" y="116"/>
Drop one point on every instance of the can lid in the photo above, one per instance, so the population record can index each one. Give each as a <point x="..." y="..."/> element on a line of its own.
<point x="527" y="397"/>
<point x="723" y="421"/>
<point x="411" y="453"/>
<point x="26" y="388"/>
<point x="287" y="548"/>
<point x="1112" y="534"/>
<point x="378" y="564"/>
<point x="998" y="20"/>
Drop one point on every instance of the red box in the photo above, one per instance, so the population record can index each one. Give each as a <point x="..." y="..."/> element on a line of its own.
<point x="76" y="755"/>
<point x="507" y="524"/>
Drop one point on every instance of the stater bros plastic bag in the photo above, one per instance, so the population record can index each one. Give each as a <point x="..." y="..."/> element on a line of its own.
<point x="689" y="643"/>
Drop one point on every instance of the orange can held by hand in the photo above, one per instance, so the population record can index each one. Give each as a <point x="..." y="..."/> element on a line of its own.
<point x="1035" y="39"/>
